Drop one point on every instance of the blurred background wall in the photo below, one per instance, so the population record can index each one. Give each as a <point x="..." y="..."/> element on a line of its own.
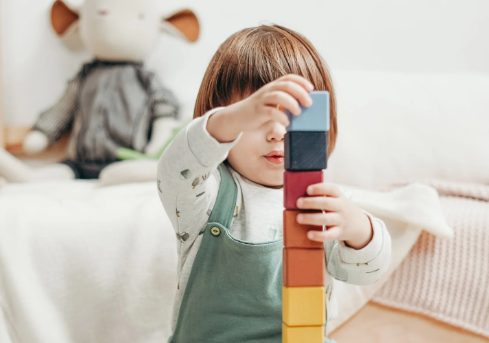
<point x="434" y="36"/>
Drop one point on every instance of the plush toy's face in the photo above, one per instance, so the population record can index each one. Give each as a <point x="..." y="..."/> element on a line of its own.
<point x="120" y="29"/>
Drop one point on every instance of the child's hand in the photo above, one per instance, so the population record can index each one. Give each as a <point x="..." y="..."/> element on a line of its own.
<point x="261" y="107"/>
<point x="344" y="221"/>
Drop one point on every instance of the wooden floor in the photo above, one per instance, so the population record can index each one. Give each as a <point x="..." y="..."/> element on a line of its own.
<point x="379" y="324"/>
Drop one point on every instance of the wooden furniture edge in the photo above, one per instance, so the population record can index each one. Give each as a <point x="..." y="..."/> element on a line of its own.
<point x="14" y="136"/>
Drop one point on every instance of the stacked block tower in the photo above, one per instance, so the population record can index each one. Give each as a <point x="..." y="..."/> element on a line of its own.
<point x="303" y="295"/>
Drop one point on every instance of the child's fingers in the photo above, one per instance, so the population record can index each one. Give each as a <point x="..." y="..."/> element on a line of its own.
<point x="283" y="99"/>
<point x="324" y="188"/>
<point x="306" y="84"/>
<point x="319" y="218"/>
<point x="295" y="90"/>
<point x="318" y="203"/>
<point x="275" y="114"/>
<point x="330" y="234"/>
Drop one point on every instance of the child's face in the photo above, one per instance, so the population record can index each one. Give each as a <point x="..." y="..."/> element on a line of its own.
<point x="259" y="154"/>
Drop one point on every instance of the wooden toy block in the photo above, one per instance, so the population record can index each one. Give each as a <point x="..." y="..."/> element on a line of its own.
<point x="295" y="186"/>
<point x="295" y="234"/>
<point x="303" y="306"/>
<point x="303" y="267"/>
<point x="301" y="334"/>
<point x="313" y="118"/>
<point x="305" y="151"/>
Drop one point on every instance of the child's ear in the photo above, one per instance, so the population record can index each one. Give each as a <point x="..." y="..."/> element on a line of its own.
<point x="183" y="24"/>
<point x="64" y="21"/>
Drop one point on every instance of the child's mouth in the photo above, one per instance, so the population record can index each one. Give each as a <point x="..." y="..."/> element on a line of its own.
<point x="275" y="157"/>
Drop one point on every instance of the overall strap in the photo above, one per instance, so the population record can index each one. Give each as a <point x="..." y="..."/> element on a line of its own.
<point x="225" y="204"/>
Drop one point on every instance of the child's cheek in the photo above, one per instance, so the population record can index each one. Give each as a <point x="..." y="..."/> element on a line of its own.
<point x="247" y="148"/>
<point x="236" y="157"/>
<point x="244" y="155"/>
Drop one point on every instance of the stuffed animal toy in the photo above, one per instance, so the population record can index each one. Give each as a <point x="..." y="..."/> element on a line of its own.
<point x="113" y="102"/>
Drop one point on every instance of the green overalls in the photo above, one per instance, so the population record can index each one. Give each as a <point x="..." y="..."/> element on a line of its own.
<point x="234" y="291"/>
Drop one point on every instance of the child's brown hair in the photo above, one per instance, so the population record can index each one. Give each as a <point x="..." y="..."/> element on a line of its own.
<point x="255" y="56"/>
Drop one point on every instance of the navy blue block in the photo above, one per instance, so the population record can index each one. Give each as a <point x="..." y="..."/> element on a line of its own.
<point x="305" y="151"/>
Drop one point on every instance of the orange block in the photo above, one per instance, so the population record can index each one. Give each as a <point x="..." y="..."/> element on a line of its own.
<point x="295" y="234"/>
<point x="303" y="267"/>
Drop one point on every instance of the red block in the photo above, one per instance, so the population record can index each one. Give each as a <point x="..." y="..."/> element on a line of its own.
<point x="303" y="267"/>
<point x="295" y="234"/>
<point x="295" y="186"/>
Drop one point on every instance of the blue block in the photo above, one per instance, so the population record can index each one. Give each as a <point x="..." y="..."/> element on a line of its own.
<point x="306" y="150"/>
<point x="313" y="118"/>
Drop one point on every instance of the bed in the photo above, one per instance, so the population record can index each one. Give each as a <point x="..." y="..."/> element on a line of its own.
<point x="85" y="263"/>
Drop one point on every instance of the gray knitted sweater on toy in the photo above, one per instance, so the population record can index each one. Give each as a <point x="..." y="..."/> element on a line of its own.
<point x="108" y="105"/>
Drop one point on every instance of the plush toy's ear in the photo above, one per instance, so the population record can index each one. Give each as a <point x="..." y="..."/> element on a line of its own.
<point x="62" y="17"/>
<point x="183" y="24"/>
<point x="64" y="21"/>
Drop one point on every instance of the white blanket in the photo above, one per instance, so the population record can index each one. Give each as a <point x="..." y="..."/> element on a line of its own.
<point x="82" y="263"/>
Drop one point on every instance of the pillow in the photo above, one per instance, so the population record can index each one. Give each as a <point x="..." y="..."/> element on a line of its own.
<point x="397" y="127"/>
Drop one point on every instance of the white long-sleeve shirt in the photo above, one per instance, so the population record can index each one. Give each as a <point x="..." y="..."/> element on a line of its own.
<point x="188" y="183"/>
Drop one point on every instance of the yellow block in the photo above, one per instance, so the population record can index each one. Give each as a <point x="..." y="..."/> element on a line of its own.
<point x="301" y="334"/>
<point x="304" y="306"/>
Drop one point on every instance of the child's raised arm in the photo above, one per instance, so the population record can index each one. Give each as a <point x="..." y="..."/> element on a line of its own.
<point x="188" y="179"/>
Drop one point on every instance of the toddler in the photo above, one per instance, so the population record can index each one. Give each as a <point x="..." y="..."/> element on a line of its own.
<point x="220" y="182"/>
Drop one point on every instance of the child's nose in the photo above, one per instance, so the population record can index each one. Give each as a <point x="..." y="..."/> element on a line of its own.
<point x="276" y="132"/>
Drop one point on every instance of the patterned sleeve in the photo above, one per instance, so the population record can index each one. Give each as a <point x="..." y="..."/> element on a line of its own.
<point x="188" y="179"/>
<point x="364" y="266"/>
<point x="59" y="118"/>
<point x="163" y="102"/>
